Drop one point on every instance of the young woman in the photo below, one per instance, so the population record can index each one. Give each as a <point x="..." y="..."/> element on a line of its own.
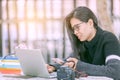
<point x="95" y="51"/>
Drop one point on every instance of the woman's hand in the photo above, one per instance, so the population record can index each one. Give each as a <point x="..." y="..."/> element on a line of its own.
<point x="57" y="60"/>
<point x="50" y="68"/>
<point x="71" y="62"/>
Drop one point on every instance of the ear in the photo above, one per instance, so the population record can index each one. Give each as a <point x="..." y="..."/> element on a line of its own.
<point x="90" y="22"/>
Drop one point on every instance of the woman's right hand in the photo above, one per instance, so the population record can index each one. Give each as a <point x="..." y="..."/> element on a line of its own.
<point x="57" y="60"/>
<point x="50" y="68"/>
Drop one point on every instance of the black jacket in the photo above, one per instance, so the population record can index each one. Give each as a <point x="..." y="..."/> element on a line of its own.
<point x="103" y="45"/>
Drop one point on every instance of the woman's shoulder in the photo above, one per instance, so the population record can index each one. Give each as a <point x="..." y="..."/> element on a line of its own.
<point x="108" y="35"/>
<point x="105" y="33"/>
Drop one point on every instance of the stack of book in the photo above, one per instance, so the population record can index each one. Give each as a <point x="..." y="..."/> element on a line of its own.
<point x="10" y="66"/>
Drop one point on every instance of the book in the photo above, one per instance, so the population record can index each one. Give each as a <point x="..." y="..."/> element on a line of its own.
<point x="10" y="66"/>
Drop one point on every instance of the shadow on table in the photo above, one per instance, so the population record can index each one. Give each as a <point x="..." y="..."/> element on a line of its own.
<point x="18" y="76"/>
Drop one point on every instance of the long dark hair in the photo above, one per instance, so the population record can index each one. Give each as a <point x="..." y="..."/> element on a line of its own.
<point x="83" y="14"/>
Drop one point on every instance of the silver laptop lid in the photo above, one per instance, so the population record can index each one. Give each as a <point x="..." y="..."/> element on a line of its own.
<point x="32" y="62"/>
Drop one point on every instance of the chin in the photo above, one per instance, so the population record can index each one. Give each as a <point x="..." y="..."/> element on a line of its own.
<point x="82" y="40"/>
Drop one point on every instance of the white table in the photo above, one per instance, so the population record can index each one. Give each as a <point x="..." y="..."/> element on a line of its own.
<point x="19" y="77"/>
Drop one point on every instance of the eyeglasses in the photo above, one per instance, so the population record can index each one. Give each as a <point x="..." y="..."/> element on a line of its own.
<point x="76" y="27"/>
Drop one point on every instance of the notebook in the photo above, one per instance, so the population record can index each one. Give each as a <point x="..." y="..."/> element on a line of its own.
<point x="32" y="63"/>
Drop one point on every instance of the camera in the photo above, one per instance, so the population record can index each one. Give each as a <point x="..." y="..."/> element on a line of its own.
<point x="65" y="73"/>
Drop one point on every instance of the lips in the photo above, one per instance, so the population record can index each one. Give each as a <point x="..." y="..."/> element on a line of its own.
<point x="78" y="36"/>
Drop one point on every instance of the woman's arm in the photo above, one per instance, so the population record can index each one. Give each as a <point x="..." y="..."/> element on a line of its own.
<point x="110" y="69"/>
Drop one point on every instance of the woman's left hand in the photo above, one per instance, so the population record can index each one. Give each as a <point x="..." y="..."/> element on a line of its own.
<point x="71" y="62"/>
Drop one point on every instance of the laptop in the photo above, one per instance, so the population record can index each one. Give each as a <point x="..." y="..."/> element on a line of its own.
<point x="32" y="63"/>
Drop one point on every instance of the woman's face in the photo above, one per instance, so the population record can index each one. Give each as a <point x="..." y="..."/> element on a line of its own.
<point x="84" y="31"/>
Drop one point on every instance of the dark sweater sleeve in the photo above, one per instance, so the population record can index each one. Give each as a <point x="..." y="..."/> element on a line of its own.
<point x="55" y="65"/>
<point x="110" y="69"/>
